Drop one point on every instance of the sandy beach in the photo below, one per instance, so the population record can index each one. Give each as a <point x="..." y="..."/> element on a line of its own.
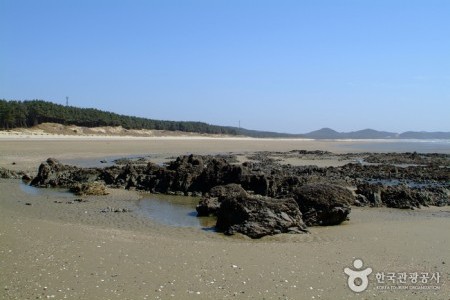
<point x="71" y="250"/>
<point x="28" y="152"/>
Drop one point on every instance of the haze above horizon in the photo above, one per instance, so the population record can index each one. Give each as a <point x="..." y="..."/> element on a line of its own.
<point x="284" y="66"/>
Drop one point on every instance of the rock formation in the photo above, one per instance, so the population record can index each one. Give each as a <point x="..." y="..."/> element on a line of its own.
<point x="257" y="216"/>
<point x="324" y="204"/>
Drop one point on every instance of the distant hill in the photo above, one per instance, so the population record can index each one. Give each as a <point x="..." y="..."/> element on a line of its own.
<point x="327" y="133"/>
<point x="370" y="134"/>
<point x="23" y="114"/>
<point x="324" y="133"/>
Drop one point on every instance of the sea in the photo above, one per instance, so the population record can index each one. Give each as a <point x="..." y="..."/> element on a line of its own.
<point x="420" y="146"/>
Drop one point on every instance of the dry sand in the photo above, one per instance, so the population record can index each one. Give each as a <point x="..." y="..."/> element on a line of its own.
<point x="74" y="251"/>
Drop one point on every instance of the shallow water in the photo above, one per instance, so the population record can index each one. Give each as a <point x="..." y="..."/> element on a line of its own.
<point x="53" y="192"/>
<point x="178" y="211"/>
<point x="174" y="211"/>
<point x="420" y="146"/>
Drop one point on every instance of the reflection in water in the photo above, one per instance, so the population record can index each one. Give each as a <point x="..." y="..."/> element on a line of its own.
<point x="175" y="211"/>
<point x="169" y="210"/>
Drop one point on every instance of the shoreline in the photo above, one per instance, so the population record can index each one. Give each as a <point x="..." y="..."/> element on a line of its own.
<point x="8" y="135"/>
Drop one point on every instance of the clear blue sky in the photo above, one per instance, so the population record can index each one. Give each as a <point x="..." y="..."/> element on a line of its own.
<point x="288" y="66"/>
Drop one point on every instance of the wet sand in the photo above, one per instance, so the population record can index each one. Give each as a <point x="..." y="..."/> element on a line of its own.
<point x="28" y="153"/>
<point x="73" y="251"/>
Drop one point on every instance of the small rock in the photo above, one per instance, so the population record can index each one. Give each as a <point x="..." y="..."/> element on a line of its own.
<point x="26" y="177"/>
<point x="115" y="210"/>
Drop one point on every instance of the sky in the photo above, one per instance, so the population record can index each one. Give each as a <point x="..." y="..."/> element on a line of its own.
<point x="280" y="65"/>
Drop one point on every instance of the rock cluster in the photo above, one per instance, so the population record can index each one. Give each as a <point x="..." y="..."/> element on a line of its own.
<point x="9" y="174"/>
<point x="256" y="215"/>
<point x="400" y="196"/>
<point x="114" y="210"/>
<point x="262" y="196"/>
<point x="54" y="174"/>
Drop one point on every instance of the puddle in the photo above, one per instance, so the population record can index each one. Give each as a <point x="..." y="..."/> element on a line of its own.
<point x="176" y="211"/>
<point x="53" y="192"/>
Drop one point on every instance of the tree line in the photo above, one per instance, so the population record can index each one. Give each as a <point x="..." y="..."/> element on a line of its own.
<point x="15" y="114"/>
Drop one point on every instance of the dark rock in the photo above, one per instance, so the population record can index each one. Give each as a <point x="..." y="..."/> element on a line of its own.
<point x="52" y="161"/>
<point x="196" y="175"/>
<point x="209" y="204"/>
<point x="230" y="190"/>
<point x="257" y="216"/>
<point x="114" y="210"/>
<point x="130" y="161"/>
<point x="370" y="193"/>
<point x="324" y="204"/>
<point x="402" y="196"/>
<point x="28" y="203"/>
<point x="109" y="175"/>
<point x="54" y="174"/>
<point x="199" y="173"/>
<point x="128" y="176"/>
<point x="409" y="158"/>
<point x="192" y="174"/>
<point x="27" y="177"/>
<point x="361" y="200"/>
